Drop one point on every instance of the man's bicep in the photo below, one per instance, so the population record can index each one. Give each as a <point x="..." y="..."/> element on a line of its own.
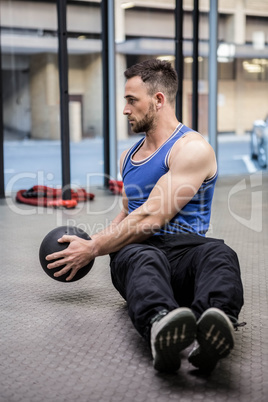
<point x="168" y="196"/>
<point x="182" y="189"/>
<point x="175" y="189"/>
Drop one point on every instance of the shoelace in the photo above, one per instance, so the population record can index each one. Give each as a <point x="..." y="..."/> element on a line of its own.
<point x="159" y="316"/>
<point x="235" y="323"/>
<point x="239" y="324"/>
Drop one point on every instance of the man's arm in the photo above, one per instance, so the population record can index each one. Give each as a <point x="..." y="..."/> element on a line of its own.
<point x="192" y="160"/>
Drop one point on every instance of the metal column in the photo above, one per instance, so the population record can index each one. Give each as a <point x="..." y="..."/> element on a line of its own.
<point x="195" y="66"/>
<point x="179" y="55"/>
<point x="213" y="74"/>
<point x="64" y="99"/>
<point x="109" y="92"/>
<point x="2" y="177"/>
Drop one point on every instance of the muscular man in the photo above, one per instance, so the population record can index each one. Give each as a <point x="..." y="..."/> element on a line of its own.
<point x="180" y="286"/>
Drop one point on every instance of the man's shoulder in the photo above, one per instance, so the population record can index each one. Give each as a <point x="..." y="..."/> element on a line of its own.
<point x="193" y="139"/>
<point x="194" y="151"/>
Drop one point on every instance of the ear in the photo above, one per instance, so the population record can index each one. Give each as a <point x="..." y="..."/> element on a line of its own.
<point x="160" y="99"/>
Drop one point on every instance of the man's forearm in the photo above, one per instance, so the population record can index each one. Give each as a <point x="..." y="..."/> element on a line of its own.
<point x="134" y="227"/>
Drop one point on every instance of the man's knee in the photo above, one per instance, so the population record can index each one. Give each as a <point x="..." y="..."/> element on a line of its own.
<point x="132" y="258"/>
<point x="220" y="249"/>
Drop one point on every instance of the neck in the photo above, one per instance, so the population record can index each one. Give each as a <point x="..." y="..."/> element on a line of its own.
<point x="155" y="137"/>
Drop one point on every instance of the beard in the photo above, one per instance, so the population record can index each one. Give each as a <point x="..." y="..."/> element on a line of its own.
<point x="147" y="123"/>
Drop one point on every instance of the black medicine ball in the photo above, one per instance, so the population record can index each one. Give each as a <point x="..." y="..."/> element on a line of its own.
<point x="51" y="245"/>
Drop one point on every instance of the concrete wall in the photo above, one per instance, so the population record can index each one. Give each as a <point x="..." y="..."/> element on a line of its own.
<point x="35" y="15"/>
<point x="85" y="79"/>
<point x="44" y="94"/>
<point x="31" y="93"/>
<point x="93" y="95"/>
<point x="31" y="98"/>
<point x="16" y="107"/>
<point x="240" y="102"/>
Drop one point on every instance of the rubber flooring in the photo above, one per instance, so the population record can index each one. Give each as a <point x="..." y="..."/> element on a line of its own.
<point x="74" y="342"/>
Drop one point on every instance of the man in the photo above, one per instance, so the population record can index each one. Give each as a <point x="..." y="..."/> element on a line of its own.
<point x="179" y="285"/>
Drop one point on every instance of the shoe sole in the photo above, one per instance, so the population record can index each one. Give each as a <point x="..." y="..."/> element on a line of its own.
<point x="175" y="332"/>
<point x="215" y="337"/>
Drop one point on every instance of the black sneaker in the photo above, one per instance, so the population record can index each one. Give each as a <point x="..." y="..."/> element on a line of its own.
<point x="169" y="336"/>
<point x="215" y="337"/>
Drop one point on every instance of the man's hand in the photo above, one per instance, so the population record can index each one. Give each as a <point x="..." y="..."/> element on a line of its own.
<point x="78" y="254"/>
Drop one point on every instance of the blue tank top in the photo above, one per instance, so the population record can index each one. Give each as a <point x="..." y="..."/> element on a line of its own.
<point x="140" y="177"/>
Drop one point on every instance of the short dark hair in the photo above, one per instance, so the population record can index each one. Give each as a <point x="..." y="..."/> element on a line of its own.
<point x="158" y="75"/>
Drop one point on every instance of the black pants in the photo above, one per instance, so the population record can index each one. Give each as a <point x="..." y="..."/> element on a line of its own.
<point x="168" y="271"/>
